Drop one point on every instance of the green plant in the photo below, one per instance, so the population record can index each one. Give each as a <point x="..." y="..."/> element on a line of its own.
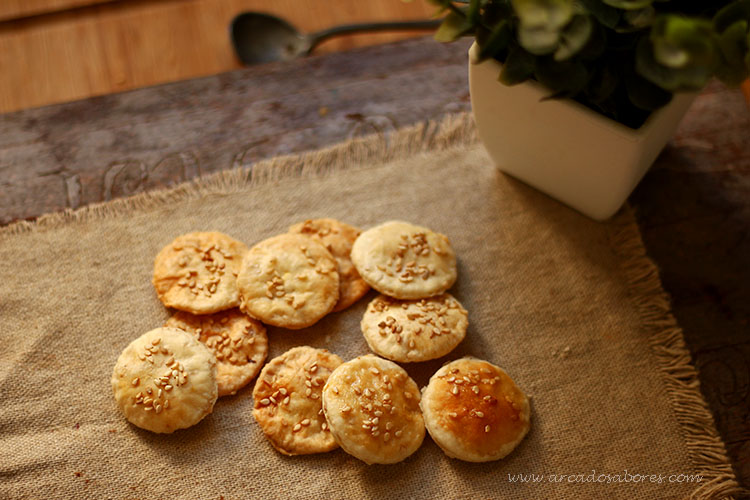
<point x="623" y="58"/>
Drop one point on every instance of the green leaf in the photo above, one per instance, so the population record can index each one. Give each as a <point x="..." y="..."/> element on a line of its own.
<point x="563" y="78"/>
<point x="689" y="77"/>
<point x="472" y="14"/>
<point x="602" y="84"/>
<point x="551" y="15"/>
<point x="734" y="44"/>
<point x="680" y="42"/>
<point x="453" y="27"/>
<point x="628" y="4"/>
<point x="605" y="14"/>
<point x="731" y="13"/>
<point x="518" y="66"/>
<point x="645" y="95"/>
<point x="496" y="42"/>
<point x="538" y="40"/>
<point x="574" y="37"/>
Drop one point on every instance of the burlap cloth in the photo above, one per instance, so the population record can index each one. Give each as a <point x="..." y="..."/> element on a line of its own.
<point x="571" y="308"/>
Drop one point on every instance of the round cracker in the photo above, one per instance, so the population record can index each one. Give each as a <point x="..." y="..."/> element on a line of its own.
<point x="289" y="280"/>
<point x="372" y="408"/>
<point x="197" y="272"/>
<point x="165" y="380"/>
<point x="414" y="330"/>
<point x="338" y="239"/>
<point x="474" y="411"/>
<point x="287" y="401"/>
<point x="239" y="343"/>
<point x="405" y="261"/>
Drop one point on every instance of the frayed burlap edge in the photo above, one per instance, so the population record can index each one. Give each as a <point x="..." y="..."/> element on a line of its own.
<point x="705" y="447"/>
<point x="701" y="438"/>
<point x="454" y="130"/>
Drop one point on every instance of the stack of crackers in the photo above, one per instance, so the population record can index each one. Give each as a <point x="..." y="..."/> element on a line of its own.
<point x="309" y="400"/>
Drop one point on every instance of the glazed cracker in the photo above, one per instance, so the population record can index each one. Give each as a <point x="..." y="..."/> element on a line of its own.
<point x="287" y="401"/>
<point x="474" y="411"/>
<point x="290" y="281"/>
<point x="197" y="272"/>
<point x="239" y="343"/>
<point x="414" y="330"/>
<point x="405" y="261"/>
<point x="338" y="238"/>
<point x="372" y="408"/>
<point x="165" y="380"/>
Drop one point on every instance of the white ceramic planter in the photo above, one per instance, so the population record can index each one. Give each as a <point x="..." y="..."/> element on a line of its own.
<point x="561" y="147"/>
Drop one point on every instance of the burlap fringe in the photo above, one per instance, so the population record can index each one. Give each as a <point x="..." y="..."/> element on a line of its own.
<point x="705" y="447"/>
<point x="701" y="439"/>
<point x="452" y="131"/>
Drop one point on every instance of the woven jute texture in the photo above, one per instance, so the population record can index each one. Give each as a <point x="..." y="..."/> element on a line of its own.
<point x="572" y="309"/>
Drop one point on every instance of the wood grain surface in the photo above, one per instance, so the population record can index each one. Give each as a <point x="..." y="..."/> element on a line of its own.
<point x="129" y="44"/>
<point x="15" y="9"/>
<point x="693" y="207"/>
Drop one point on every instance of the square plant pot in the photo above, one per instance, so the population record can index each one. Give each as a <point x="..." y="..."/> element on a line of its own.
<point x="563" y="148"/>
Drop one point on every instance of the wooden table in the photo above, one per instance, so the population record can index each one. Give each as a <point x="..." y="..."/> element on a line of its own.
<point x="693" y="207"/>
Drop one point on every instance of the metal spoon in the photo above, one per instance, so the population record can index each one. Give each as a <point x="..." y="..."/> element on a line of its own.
<point x="260" y="38"/>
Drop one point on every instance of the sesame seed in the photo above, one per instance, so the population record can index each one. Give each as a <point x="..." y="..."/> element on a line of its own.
<point x="386" y="437"/>
<point x="156" y="341"/>
<point x="479" y="414"/>
<point x="324" y="426"/>
<point x="486" y="428"/>
<point x="455" y="390"/>
<point x="160" y="393"/>
<point x="265" y="401"/>
<point x="296" y="427"/>
<point x="273" y="400"/>
<point x="136" y="380"/>
<point x="166" y="404"/>
<point x="308" y="391"/>
<point x="398" y="433"/>
<point x="388" y="426"/>
<point x="305" y="422"/>
<point x="475" y="389"/>
<point x="374" y="371"/>
<point x="286" y="400"/>
<point x="168" y="387"/>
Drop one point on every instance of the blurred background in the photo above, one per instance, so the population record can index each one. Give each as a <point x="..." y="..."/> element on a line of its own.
<point x="54" y="51"/>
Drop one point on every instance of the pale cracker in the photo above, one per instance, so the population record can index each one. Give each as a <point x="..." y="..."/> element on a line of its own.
<point x="474" y="411"/>
<point x="287" y="401"/>
<point x="197" y="272"/>
<point x="165" y="380"/>
<point x="338" y="238"/>
<point x="372" y="408"/>
<point x="414" y="330"/>
<point x="289" y="280"/>
<point x="405" y="261"/>
<point x="239" y="343"/>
